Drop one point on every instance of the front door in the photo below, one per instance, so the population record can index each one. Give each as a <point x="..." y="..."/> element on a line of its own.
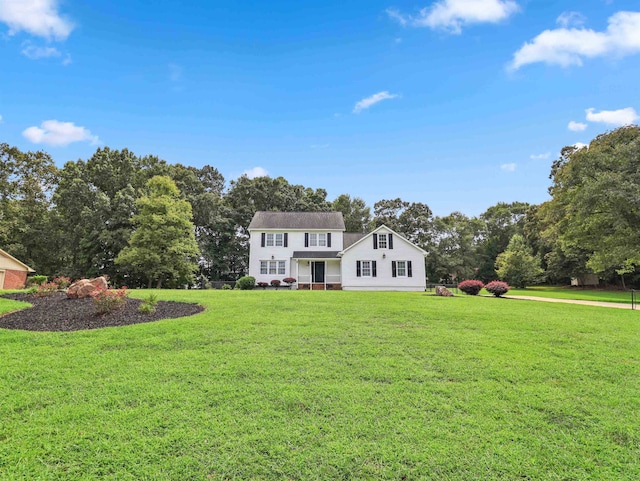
<point x="317" y="270"/>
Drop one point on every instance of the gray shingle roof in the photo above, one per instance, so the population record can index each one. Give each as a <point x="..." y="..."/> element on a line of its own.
<point x="350" y="238"/>
<point x="297" y="220"/>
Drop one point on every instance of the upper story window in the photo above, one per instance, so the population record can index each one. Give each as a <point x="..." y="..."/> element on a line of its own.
<point x="274" y="240"/>
<point x="382" y="241"/>
<point x="317" y="240"/>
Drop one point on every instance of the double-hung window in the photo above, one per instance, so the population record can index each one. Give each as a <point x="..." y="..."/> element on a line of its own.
<point x="274" y="240"/>
<point x="317" y="240"/>
<point x="401" y="269"/>
<point x="382" y="241"/>
<point x="272" y="267"/>
<point x="366" y="269"/>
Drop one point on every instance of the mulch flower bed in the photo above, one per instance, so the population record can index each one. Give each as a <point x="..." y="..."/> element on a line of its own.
<point x="57" y="313"/>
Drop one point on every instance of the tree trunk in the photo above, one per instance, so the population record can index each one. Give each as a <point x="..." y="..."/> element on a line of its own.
<point x="159" y="284"/>
<point x="624" y="287"/>
<point x="149" y="286"/>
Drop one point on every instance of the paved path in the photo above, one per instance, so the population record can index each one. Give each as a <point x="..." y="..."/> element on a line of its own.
<point x="616" y="305"/>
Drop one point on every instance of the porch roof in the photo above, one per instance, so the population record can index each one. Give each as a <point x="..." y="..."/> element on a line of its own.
<point x="315" y="255"/>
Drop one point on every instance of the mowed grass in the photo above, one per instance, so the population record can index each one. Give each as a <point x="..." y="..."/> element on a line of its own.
<point x="576" y="293"/>
<point x="328" y="385"/>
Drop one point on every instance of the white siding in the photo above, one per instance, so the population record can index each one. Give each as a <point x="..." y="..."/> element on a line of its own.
<point x="258" y="253"/>
<point x="384" y="281"/>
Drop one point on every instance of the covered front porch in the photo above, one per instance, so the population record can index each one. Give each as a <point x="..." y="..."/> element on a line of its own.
<point x="317" y="271"/>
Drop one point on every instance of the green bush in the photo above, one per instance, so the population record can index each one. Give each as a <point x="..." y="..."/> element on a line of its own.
<point x="36" y="280"/>
<point x="246" y="283"/>
<point x="226" y="287"/>
<point x="149" y="304"/>
<point x="32" y="290"/>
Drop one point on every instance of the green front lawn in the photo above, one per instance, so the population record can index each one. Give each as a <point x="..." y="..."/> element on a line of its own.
<point x="577" y="293"/>
<point x="328" y="385"/>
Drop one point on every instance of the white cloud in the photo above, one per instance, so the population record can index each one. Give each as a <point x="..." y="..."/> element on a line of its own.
<point x="56" y="133"/>
<point x="0" y="119"/>
<point x="510" y="167"/>
<point x="571" y="19"/>
<point x="568" y="46"/>
<point x="374" y="99"/>
<point x="544" y="156"/>
<point x="34" y="53"/>
<point x="256" y="172"/>
<point x="452" y="15"/>
<point x="36" y="17"/>
<point x="580" y="145"/>
<point x="67" y="60"/>
<point x="577" y="126"/>
<point x="616" y="118"/>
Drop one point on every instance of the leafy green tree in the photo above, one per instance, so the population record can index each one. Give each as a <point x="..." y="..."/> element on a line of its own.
<point x="356" y="213"/>
<point x="27" y="180"/>
<point x="162" y="247"/>
<point x="596" y="193"/>
<point x="517" y="265"/>
<point x="500" y="223"/>
<point x="452" y="253"/>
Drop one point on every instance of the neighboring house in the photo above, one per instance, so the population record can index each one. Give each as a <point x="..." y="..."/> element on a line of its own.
<point x="13" y="273"/>
<point x="585" y="280"/>
<point x="314" y="249"/>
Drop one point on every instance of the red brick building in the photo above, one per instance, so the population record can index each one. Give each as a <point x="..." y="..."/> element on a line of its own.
<point x="13" y="273"/>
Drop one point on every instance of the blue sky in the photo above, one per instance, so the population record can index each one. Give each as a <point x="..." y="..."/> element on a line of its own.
<point x="455" y="103"/>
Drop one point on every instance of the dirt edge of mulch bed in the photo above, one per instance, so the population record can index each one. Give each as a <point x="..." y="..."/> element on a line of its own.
<point x="56" y="313"/>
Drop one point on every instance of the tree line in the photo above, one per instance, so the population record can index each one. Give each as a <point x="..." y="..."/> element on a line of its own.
<point x="101" y="217"/>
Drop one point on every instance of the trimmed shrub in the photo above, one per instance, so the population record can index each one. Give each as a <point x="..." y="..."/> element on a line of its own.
<point x="289" y="280"/>
<point x="62" y="281"/>
<point x="275" y="283"/>
<point x="264" y="285"/>
<point x="226" y="287"/>
<point x="36" y="280"/>
<point x="497" y="288"/>
<point x="471" y="287"/>
<point x="108" y="300"/>
<point x="246" y="283"/>
<point x="47" y="289"/>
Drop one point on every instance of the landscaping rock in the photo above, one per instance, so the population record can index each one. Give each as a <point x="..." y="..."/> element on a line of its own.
<point x="443" y="291"/>
<point x="84" y="287"/>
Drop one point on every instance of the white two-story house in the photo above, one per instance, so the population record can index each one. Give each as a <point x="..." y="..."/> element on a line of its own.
<point x="314" y="249"/>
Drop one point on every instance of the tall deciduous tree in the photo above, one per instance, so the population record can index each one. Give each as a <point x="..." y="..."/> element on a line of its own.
<point x="356" y="213"/>
<point x="596" y="194"/>
<point x="517" y="265"/>
<point x="163" y="247"/>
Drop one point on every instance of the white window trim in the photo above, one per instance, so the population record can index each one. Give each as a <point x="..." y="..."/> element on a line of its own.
<point x="380" y="241"/>
<point x="362" y="269"/>
<point x="279" y="267"/>
<point x="405" y="264"/>
<point x="317" y="239"/>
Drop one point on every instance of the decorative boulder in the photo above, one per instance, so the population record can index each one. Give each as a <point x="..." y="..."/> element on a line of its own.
<point x="443" y="291"/>
<point x="84" y="287"/>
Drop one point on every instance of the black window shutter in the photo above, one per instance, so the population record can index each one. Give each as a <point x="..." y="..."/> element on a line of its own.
<point x="358" y="269"/>
<point x="306" y="239"/>
<point x="329" y="239"/>
<point x="374" y="269"/>
<point x="264" y="236"/>
<point x="393" y="269"/>
<point x="286" y="240"/>
<point x="375" y="241"/>
<point x="390" y="237"/>
<point x="409" y="273"/>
